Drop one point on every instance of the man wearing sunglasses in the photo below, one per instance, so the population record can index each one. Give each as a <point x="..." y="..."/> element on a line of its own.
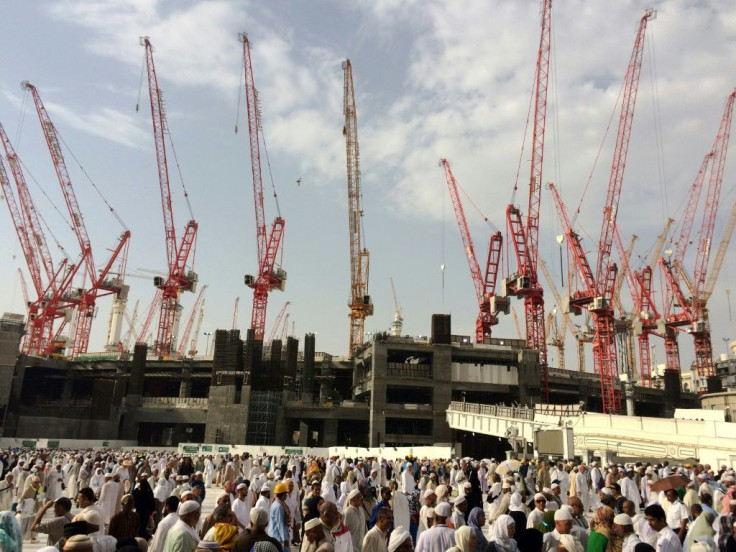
<point x="537" y="514"/>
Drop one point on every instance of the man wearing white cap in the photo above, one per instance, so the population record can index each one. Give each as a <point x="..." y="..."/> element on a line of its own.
<point x="355" y="519"/>
<point x="537" y="514"/>
<point x="563" y="526"/>
<point x="458" y="512"/>
<point x="623" y="527"/>
<point x="183" y="536"/>
<point x="241" y="506"/>
<point x="629" y="489"/>
<point x="430" y="499"/>
<point x="439" y="537"/>
<point x="315" y="538"/>
<point x="162" y="529"/>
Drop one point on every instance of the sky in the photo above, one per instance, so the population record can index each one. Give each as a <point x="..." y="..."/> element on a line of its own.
<point x="433" y="79"/>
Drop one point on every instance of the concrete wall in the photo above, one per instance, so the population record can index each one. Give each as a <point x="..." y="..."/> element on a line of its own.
<point x="343" y="452"/>
<point x="24" y="442"/>
<point x="489" y="373"/>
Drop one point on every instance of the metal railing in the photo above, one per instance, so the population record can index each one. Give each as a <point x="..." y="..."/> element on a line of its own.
<point x="517" y="412"/>
<point x="174" y="402"/>
<point x="407" y="370"/>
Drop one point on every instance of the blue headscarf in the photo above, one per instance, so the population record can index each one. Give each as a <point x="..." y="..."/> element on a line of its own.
<point x="11" y="539"/>
<point x="477" y="529"/>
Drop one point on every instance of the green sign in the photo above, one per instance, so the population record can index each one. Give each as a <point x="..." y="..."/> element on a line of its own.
<point x="298" y="452"/>
<point x="28" y="444"/>
<point x="105" y="443"/>
<point x="53" y="444"/>
<point x="223" y="449"/>
<point x="191" y="449"/>
<point x="206" y="448"/>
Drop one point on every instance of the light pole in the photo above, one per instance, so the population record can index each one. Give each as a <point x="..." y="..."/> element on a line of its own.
<point x="207" y="346"/>
<point x="725" y="343"/>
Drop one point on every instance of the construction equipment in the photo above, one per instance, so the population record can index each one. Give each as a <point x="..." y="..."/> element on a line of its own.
<point x="276" y="325"/>
<point x="525" y="236"/>
<point x="360" y="301"/>
<point x="235" y="313"/>
<point x="152" y="308"/>
<point x="489" y="305"/>
<point x="197" y="312"/>
<point x="555" y="338"/>
<point x="270" y="274"/>
<point x="180" y="277"/>
<point x="398" y="323"/>
<point x="693" y="312"/>
<point x="598" y="287"/>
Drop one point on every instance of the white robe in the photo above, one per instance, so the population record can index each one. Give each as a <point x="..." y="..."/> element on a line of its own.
<point x="109" y="499"/>
<point x="400" y="508"/>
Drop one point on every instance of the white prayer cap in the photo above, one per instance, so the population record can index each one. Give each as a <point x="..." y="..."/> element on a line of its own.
<point x="459" y="500"/>
<point x="506" y="485"/>
<point x="623" y="519"/>
<point x="354" y="493"/>
<point x="209" y="545"/>
<point x="187" y="494"/>
<point x="563" y="514"/>
<point x="241" y="486"/>
<point x="467" y="485"/>
<point x="108" y="476"/>
<point x="555" y="486"/>
<point x="428" y="493"/>
<point x="443" y="510"/>
<point x="308" y="526"/>
<point x="547" y="490"/>
<point x="607" y="491"/>
<point x="187" y="507"/>
<point x="539" y="496"/>
<point x="259" y="516"/>
<point x="398" y="537"/>
<point x="701" y="475"/>
<point x="223" y="494"/>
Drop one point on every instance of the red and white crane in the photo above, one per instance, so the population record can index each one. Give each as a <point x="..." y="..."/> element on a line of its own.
<point x="525" y="237"/>
<point x="598" y="287"/>
<point x="693" y="312"/>
<point x="360" y="301"/>
<point x="269" y="246"/>
<point x="180" y="277"/>
<point x="484" y="283"/>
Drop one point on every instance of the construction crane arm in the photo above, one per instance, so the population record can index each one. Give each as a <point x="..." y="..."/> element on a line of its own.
<point x="196" y="310"/>
<point x="720" y="254"/>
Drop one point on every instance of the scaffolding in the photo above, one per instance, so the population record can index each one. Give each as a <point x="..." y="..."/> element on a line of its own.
<point x="262" y="417"/>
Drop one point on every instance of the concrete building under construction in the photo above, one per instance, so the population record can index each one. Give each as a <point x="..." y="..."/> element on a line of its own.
<point x="394" y="392"/>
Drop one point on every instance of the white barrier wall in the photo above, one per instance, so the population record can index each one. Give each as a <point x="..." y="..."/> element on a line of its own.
<point x="348" y="452"/>
<point x="25" y="442"/>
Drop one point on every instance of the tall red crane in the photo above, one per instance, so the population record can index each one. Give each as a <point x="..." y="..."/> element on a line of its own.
<point x="53" y="301"/>
<point x="693" y="311"/>
<point x="277" y="324"/>
<point x="180" y="277"/>
<point x="525" y="237"/>
<point x="598" y="286"/>
<point x="99" y="284"/>
<point x="485" y="282"/>
<point x="360" y="301"/>
<point x="270" y="274"/>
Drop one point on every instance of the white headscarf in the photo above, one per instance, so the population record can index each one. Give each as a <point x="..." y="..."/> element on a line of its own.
<point x="500" y="534"/>
<point x="516" y="504"/>
<point x="570" y="543"/>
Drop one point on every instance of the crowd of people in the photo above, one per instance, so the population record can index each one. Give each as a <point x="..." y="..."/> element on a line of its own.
<point x="107" y="501"/>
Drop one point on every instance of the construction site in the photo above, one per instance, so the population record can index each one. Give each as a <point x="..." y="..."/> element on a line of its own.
<point x="154" y="384"/>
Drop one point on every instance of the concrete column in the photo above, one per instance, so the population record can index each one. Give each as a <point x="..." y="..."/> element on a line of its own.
<point x="377" y="418"/>
<point x="303" y="434"/>
<point x="441" y="393"/>
<point x="185" y="387"/>
<point x="329" y="432"/>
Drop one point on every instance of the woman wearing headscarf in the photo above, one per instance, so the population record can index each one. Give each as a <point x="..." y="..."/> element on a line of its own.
<point x="502" y="534"/>
<point x="145" y="505"/>
<point x="600" y="529"/>
<point x="226" y="534"/>
<point x="11" y="538"/>
<point x="27" y="506"/>
<point x="517" y="511"/>
<point x="476" y="521"/>
<point x="701" y="527"/>
<point x="475" y="496"/>
<point x="464" y="540"/>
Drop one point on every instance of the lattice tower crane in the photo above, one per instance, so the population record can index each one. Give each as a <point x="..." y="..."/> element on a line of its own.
<point x="179" y="277"/>
<point x="398" y="323"/>
<point x="270" y="274"/>
<point x="720" y="253"/>
<point x="235" y="313"/>
<point x="598" y="287"/>
<point x="693" y="310"/>
<point x="276" y="325"/>
<point x="525" y="237"/>
<point x="197" y="313"/>
<point x="555" y="338"/>
<point x="360" y="301"/>
<point x="489" y="305"/>
<point x="150" y="313"/>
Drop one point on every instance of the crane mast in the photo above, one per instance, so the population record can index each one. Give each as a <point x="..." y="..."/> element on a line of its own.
<point x="197" y="311"/>
<point x="177" y="253"/>
<point x="360" y="302"/>
<point x="268" y="246"/>
<point x="525" y="237"/>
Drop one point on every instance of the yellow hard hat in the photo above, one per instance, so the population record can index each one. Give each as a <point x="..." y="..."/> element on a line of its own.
<point x="280" y="488"/>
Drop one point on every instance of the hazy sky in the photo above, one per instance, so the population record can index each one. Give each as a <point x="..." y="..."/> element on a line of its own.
<point x="433" y="79"/>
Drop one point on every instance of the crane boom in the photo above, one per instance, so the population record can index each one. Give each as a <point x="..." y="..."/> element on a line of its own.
<point x="360" y="301"/>
<point x="720" y="254"/>
<point x="196" y="310"/>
